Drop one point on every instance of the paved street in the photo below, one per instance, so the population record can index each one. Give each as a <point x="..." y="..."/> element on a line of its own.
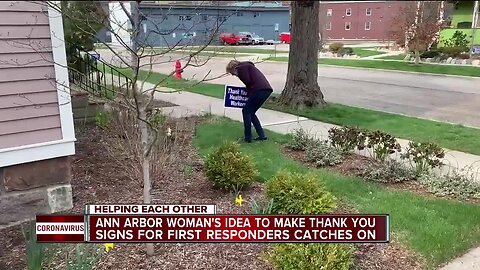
<point x="443" y="98"/>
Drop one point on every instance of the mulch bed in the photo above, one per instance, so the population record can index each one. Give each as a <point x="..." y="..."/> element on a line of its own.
<point x="178" y="187"/>
<point x="99" y="179"/>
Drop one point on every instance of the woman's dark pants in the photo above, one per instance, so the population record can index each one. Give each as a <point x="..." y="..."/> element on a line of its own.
<point x="254" y="103"/>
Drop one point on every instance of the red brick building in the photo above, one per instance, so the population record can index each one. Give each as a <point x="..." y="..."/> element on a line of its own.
<point x="357" y="20"/>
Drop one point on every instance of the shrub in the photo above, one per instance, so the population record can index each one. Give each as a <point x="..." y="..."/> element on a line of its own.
<point x="295" y="193"/>
<point x="426" y="156"/>
<point x="453" y="51"/>
<point x="456" y="184"/>
<point x="463" y="56"/>
<point x="346" y="139"/>
<point x="228" y="168"/>
<point x="458" y="39"/>
<point x="322" y="154"/>
<point x="345" y="51"/>
<point x="312" y="256"/>
<point x="389" y="171"/>
<point x="300" y="140"/>
<point x="382" y="144"/>
<point x="335" y="47"/>
<point x="430" y="54"/>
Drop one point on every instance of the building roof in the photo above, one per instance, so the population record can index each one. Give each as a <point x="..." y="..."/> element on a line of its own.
<point x="258" y="4"/>
<point x="243" y="5"/>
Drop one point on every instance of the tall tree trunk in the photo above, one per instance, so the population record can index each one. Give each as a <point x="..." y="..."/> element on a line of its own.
<point x="147" y="183"/>
<point x="417" y="57"/>
<point x="301" y="88"/>
<point x="141" y="103"/>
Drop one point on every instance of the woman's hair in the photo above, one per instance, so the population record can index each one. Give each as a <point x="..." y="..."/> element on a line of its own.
<point x="231" y="66"/>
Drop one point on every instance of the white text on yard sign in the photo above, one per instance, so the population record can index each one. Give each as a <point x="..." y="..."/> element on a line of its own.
<point x="235" y="96"/>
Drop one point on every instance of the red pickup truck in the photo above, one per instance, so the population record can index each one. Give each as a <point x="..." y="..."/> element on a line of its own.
<point x="232" y="39"/>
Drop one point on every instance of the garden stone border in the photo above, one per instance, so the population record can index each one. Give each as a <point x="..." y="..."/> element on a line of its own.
<point x="448" y="61"/>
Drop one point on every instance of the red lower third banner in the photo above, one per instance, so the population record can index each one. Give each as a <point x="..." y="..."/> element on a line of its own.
<point x="239" y="228"/>
<point x="55" y="228"/>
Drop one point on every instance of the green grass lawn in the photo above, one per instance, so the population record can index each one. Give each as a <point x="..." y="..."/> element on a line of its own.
<point x="362" y="52"/>
<point x="437" y="229"/>
<point x="393" y="57"/>
<point x="454" y="137"/>
<point x="396" y="65"/>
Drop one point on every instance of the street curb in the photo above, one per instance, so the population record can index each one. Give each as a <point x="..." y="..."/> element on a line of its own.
<point x="391" y="70"/>
<point x="408" y="72"/>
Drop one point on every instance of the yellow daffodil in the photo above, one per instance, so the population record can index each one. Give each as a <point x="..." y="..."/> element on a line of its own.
<point x="239" y="200"/>
<point x="108" y="246"/>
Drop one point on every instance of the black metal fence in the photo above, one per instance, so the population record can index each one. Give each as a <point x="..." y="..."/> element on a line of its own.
<point x="97" y="77"/>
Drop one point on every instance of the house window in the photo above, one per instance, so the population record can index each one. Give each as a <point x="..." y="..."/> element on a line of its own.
<point x="239" y="14"/>
<point x="329" y="12"/>
<point x="348" y="12"/>
<point x="368" y="25"/>
<point x="329" y="26"/>
<point x="368" y="12"/>
<point x="205" y="17"/>
<point x="348" y="25"/>
<point x="222" y="18"/>
<point x="256" y="14"/>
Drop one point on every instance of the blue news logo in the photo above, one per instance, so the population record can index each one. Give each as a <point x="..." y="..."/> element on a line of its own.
<point x="235" y="96"/>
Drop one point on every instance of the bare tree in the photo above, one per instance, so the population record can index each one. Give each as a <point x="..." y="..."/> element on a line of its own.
<point x="420" y="23"/>
<point x="301" y="88"/>
<point x="139" y="58"/>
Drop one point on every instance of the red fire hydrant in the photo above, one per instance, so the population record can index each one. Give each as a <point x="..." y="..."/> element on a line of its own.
<point x="178" y="70"/>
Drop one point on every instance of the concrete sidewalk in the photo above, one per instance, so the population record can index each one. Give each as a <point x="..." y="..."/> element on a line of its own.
<point x="283" y="123"/>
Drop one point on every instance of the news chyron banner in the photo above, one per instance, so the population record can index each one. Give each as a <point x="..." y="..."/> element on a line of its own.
<point x="201" y="224"/>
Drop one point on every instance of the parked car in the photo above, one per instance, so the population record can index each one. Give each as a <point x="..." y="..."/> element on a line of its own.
<point x="246" y="38"/>
<point x="232" y="39"/>
<point x="285" y="37"/>
<point x="256" y="39"/>
<point x="229" y="38"/>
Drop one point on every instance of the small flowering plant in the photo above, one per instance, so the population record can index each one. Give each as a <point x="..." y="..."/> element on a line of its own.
<point x="108" y="246"/>
<point x="239" y="200"/>
<point x="426" y="156"/>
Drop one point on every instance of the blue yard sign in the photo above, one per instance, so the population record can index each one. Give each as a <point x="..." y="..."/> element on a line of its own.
<point x="476" y="49"/>
<point x="235" y="96"/>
